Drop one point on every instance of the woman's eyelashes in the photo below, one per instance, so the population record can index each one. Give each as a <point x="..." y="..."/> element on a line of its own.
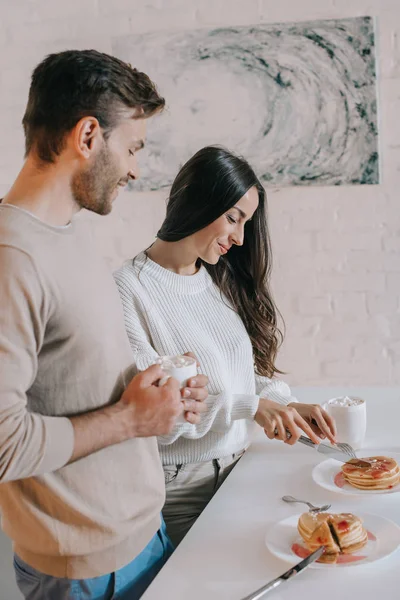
<point x="233" y="221"/>
<point x="131" y="153"/>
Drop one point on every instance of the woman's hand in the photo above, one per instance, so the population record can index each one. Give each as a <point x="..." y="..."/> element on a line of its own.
<point x="197" y="391"/>
<point x="279" y="420"/>
<point x="319" y="420"/>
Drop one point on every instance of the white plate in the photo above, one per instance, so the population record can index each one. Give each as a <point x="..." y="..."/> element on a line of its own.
<point x="324" y="475"/>
<point x="280" y="538"/>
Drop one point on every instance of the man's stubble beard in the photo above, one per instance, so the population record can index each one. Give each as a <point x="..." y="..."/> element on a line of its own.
<point x="93" y="188"/>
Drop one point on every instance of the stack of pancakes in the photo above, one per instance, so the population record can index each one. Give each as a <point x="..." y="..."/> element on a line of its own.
<point x="339" y="533"/>
<point x="383" y="474"/>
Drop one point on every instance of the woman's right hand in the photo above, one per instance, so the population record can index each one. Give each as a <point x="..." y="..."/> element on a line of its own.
<point x="278" y="420"/>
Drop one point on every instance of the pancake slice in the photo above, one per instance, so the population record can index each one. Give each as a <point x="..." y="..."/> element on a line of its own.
<point x="340" y="533"/>
<point x="383" y="474"/>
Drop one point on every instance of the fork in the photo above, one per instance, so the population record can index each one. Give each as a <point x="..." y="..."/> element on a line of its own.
<point x="346" y="448"/>
<point x="349" y="450"/>
<point x="313" y="509"/>
<point x="342" y="447"/>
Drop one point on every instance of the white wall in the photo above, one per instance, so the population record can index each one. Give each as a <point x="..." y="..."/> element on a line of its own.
<point x="337" y="267"/>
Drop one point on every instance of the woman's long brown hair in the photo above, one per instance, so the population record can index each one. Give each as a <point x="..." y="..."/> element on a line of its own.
<point x="207" y="186"/>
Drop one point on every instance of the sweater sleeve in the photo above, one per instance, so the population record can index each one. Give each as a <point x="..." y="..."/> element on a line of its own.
<point x="274" y="389"/>
<point x="30" y="444"/>
<point x="223" y="408"/>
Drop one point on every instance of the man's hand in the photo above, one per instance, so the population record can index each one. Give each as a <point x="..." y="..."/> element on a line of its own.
<point x="194" y="395"/>
<point x="279" y="420"/>
<point x="151" y="410"/>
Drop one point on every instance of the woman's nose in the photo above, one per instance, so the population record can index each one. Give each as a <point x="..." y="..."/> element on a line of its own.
<point x="238" y="237"/>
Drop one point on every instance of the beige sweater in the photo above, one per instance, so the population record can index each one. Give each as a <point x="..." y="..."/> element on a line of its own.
<point x="64" y="351"/>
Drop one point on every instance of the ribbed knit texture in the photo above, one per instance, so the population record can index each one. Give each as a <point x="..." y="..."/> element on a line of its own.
<point x="168" y="314"/>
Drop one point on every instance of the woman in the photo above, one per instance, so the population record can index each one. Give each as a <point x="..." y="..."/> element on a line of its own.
<point x="204" y="286"/>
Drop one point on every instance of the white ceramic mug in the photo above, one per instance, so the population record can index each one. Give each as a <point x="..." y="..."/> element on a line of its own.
<point x="179" y="367"/>
<point x="350" y="415"/>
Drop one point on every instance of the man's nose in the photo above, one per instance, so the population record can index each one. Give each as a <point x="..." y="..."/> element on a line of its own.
<point x="134" y="171"/>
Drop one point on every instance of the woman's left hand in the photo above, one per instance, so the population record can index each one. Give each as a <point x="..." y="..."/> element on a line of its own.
<point x="196" y="390"/>
<point x="318" y="419"/>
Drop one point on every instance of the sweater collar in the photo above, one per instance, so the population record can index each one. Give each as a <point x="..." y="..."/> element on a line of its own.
<point x="182" y="284"/>
<point x="63" y="229"/>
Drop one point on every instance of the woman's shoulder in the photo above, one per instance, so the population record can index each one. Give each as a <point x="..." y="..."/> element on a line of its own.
<point x="128" y="274"/>
<point x="133" y="293"/>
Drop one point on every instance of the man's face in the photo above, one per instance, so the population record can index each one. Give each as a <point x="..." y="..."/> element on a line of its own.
<point x="96" y="186"/>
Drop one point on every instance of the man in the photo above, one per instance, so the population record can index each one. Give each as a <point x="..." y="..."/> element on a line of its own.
<point x="81" y="482"/>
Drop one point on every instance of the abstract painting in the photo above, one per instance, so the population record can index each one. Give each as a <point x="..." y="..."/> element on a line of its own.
<point x="298" y="100"/>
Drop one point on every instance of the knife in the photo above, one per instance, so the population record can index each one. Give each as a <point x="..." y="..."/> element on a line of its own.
<point x="290" y="573"/>
<point x="333" y="452"/>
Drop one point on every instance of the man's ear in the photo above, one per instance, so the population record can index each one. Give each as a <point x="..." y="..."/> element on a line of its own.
<point x="87" y="137"/>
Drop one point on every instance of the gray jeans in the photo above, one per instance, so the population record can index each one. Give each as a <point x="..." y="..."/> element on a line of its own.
<point x="190" y="488"/>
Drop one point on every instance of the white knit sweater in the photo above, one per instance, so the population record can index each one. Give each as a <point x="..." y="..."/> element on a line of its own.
<point x="168" y="314"/>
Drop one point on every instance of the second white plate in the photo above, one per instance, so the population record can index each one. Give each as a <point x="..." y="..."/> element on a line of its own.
<point x="384" y="539"/>
<point x="325" y="472"/>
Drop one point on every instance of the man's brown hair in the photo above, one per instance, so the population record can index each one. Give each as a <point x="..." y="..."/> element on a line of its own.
<point x="70" y="85"/>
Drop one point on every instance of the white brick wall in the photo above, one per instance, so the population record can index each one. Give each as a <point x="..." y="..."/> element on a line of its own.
<point x="336" y="250"/>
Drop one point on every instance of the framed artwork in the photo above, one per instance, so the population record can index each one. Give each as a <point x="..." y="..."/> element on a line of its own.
<point x="298" y="100"/>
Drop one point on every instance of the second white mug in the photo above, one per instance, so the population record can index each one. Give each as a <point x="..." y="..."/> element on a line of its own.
<point x="350" y="415"/>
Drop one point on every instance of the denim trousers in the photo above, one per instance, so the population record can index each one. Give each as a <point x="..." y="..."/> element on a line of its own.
<point x="128" y="583"/>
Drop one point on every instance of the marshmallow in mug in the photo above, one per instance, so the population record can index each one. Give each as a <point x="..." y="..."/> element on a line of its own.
<point x="345" y="401"/>
<point x="351" y="419"/>
<point x="179" y="367"/>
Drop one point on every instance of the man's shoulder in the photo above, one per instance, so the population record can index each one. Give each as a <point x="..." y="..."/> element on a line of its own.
<point x="15" y="245"/>
<point x="19" y="229"/>
<point x="12" y="230"/>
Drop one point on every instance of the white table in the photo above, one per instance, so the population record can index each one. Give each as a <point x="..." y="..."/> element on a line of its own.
<point x="224" y="556"/>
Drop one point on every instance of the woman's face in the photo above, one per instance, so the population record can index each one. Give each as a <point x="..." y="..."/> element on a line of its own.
<point x="216" y="239"/>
